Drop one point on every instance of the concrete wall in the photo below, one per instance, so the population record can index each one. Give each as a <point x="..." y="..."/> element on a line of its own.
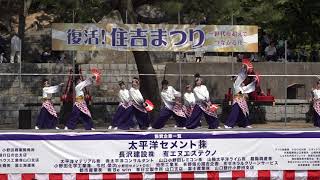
<point x="218" y="86"/>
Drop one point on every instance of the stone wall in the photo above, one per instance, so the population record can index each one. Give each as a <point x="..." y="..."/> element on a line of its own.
<point x="27" y="95"/>
<point x="113" y="73"/>
<point x="121" y="57"/>
<point x="296" y="110"/>
<point x="107" y="91"/>
<point x="17" y="96"/>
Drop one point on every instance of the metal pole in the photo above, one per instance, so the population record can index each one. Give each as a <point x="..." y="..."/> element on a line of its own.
<point x="180" y="79"/>
<point x="73" y="58"/>
<point x="232" y="63"/>
<point x="126" y="16"/>
<point x="285" y="83"/>
<point x="126" y="53"/>
<point x="20" y="84"/>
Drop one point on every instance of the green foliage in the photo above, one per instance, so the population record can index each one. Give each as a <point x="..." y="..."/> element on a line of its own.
<point x="171" y="8"/>
<point x="83" y="11"/>
<point x="295" y="20"/>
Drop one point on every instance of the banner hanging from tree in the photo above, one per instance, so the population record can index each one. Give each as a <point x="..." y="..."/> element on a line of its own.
<point x="154" y="37"/>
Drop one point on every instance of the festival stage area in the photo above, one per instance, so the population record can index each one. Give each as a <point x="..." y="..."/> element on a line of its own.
<point x="176" y="154"/>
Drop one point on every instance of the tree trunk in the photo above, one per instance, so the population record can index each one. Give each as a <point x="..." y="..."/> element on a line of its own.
<point x="23" y="12"/>
<point x="149" y="84"/>
<point x="21" y="30"/>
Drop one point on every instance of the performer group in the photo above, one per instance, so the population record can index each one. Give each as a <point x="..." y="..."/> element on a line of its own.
<point x="187" y="109"/>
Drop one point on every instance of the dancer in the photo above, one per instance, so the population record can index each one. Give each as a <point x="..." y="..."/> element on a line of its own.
<point x="80" y="109"/>
<point x="189" y="100"/>
<point x="316" y="104"/>
<point x="172" y="107"/>
<point x="48" y="118"/>
<point x="124" y="105"/>
<point x="138" y="106"/>
<point x="240" y="111"/>
<point x="201" y="107"/>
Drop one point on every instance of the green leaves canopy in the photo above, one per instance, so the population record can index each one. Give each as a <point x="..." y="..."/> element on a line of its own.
<point x="295" y="20"/>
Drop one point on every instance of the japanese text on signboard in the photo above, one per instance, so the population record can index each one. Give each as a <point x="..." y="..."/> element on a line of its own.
<point x="146" y="37"/>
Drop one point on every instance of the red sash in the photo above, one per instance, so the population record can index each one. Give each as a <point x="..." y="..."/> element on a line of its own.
<point x="178" y="110"/>
<point x="242" y="104"/>
<point x="208" y="111"/>
<point x="49" y="107"/>
<point x="188" y="110"/>
<point x="316" y="106"/>
<point x="139" y="107"/>
<point x="82" y="105"/>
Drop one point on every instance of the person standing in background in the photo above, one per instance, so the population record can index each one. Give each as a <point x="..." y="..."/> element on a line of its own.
<point x="15" y="49"/>
<point x="271" y="52"/>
